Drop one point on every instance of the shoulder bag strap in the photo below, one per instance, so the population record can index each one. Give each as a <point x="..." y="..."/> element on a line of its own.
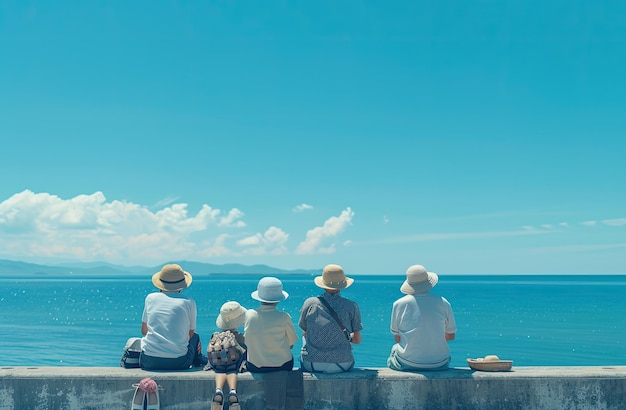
<point x="334" y="315"/>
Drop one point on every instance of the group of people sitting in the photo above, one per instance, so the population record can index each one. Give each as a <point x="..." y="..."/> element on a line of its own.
<point x="422" y="323"/>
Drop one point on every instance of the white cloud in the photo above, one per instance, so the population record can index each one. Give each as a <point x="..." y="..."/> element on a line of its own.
<point x="615" y="222"/>
<point x="385" y="219"/>
<point x="232" y="219"/>
<point x="302" y="208"/>
<point x="175" y="219"/>
<point x="578" y="248"/>
<point x="30" y="212"/>
<point x="529" y="228"/>
<point x="564" y="224"/>
<point x="317" y="238"/>
<point x="327" y="250"/>
<point x="87" y="227"/>
<point x="588" y="223"/>
<point x="214" y="248"/>
<point x="165" y="202"/>
<point x="423" y="237"/>
<point x="253" y="240"/>
<point x="271" y="242"/>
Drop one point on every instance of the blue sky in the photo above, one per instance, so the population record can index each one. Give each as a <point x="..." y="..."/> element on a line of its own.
<point x="470" y="137"/>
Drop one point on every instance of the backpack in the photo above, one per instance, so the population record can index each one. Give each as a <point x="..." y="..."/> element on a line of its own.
<point x="224" y="349"/>
<point x="131" y="353"/>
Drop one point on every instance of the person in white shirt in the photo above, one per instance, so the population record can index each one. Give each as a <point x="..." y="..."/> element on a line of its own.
<point x="168" y="323"/>
<point x="422" y="324"/>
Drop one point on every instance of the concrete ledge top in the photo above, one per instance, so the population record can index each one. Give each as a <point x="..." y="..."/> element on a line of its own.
<point x="35" y="372"/>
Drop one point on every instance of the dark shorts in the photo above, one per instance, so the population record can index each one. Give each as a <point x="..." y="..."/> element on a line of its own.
<point x="230" y="368"/>
<point x="268" y="369"/>
<point x="192" y="358"/>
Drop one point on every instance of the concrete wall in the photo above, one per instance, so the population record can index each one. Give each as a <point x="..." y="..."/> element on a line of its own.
<point x="553" y="388"/>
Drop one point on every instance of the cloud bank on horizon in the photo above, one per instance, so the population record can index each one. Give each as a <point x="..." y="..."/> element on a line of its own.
<point x="88" y="227"/>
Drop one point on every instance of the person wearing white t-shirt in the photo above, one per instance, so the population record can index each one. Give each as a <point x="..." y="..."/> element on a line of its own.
<point x="422" y="324"/>
<point x="168" y="324"/>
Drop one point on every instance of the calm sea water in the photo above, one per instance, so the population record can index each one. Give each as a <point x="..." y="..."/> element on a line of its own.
<point x="532" y="320"/>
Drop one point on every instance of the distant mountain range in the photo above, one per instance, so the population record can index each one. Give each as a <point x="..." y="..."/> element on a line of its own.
<point x="17" y="268"/>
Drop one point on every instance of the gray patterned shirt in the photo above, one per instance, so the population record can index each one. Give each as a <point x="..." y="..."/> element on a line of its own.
<point x="325" y="340"/>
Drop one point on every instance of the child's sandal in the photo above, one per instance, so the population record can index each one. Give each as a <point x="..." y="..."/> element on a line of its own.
<point x="233" y="401"/>
<point x="218" y="401"/>
<point x="232" y="397"/>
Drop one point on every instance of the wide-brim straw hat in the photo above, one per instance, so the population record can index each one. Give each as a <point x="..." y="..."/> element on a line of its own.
<point x="232" y="315"/>
<point x="490" y="363"/>
<point x="418" y="280"/>
<point x="269" y="290"/>
<point x="171" y="278"/>
<point x="333" y="278"/>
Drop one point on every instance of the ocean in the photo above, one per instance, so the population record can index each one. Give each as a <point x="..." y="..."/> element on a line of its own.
<point x="545" y="320"/>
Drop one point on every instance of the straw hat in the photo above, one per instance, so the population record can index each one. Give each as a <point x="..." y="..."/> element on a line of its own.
<point x="171" y="278"/>
<point x="270" y="290"/>
<point x="490" y="363"/>
<point x="232" y="315"/>
<point x="333" y="278"/>
<point x="418" y="280"/>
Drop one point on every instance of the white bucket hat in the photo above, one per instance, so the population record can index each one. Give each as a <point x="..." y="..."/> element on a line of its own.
<point x="171" y="278"/>
<point x="270" y="290"/>
<point x="333" y="277"/>
<point x="232" y="315"/>
<point x="418" y="280"/>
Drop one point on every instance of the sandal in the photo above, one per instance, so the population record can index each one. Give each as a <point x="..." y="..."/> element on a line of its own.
<point x="233" y="401"/>
<point x="232" y="397"/>
<point x="146" y="395"/>
<point x="218" y="401"/>
<point x="153" y="400"/>
<point x="138" y="398"/>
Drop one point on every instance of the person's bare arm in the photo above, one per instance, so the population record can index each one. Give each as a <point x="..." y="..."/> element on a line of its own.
<point x="356" y="337"/>
<point x="144" y="328"/>
<point x="191" y="332"/>
<point x="450" y="336"/>
<point x="396" y="337"/>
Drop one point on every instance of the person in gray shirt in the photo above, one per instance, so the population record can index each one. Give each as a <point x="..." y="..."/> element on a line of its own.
<point x="330" y="325"/>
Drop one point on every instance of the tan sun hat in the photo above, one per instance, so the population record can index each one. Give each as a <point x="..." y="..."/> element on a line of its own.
<point x="171" y="278"/>
<point x="333" y="278"/>
<point x="232" y="315"/>
<point x="418" y="280"/>
<point x="490" y="363"/>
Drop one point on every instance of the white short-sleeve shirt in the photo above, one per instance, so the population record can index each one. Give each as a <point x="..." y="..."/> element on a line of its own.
<point x="422" y="320"/>
<point x="170" y="317"/>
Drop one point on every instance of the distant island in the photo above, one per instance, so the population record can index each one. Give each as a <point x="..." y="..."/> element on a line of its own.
<point x="18" y="268"/>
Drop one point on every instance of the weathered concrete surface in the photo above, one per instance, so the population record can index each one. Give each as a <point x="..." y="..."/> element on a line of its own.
<point x="553" y="388"/>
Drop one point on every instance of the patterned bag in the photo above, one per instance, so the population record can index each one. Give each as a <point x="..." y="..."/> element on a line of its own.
<point x="224" y="349"/>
